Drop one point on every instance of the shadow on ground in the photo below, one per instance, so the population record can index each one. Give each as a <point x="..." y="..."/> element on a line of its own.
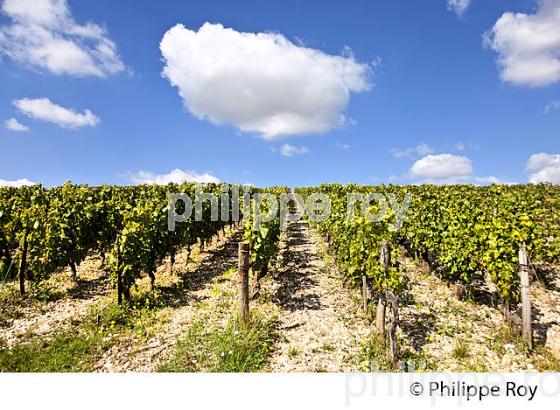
<point x="216" y="262"/>
<point x="295" y="275"/>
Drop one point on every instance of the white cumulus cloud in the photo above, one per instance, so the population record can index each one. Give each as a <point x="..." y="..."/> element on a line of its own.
<point x="260" y="82"/>
<point x="442" y="167"/>
<point x="176" y="176"/>
<point x="445" y="169"/>
<point x="45" y="110"/>
<point x="543" y="167"/>
<point x="551" y="106"/>
<point x="288" y="150"/>
<point x="16" y="184"/>
<point x="418" y="151"/>
<point x="43" y="34"/>
<point x="458" y="6"/>
<point x="528" y="45"/>
<point x="492" y="180"/>
<point x="14" y="125"/>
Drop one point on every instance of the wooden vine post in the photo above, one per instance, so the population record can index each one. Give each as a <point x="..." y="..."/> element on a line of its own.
<point x="385" y="260"/>
<point x="393" y="346"/>
<point x="184" y="274"/>
<point x="525" y="296"/>
<point x="171" y="262"/>
<point x="243" y="277"/>
<point x="23" y="264"/>
<point x="364" y="292"/>
<point x="119" y="273"/>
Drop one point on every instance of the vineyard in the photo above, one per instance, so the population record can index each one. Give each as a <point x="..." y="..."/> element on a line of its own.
<point x="462" y="231"/>
<point x="93" y="279"/>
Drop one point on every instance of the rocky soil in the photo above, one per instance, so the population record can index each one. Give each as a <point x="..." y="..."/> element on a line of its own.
<point x="545" y="294"/>
<point x="72" y="302"/>
<point x="131" y="353"/>
<point x="456" y="335"/>
<point x="319" y="328"/>
<point x="321" y="325"/>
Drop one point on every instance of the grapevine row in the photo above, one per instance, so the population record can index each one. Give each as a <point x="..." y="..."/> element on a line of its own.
<point x="463" y="230"/>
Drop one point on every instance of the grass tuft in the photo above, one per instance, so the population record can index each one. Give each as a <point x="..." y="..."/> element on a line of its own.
<point x="231" y="349"/>
<point x="65" y="352"/>
<point x="293" y="351"/>
<point x="374" y="357"/>
<point x="461" y="350"/>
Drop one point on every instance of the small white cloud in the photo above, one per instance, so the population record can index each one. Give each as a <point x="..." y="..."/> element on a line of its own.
<point x="45" y="110"/>
<point x="488" y="180"/>
<point x="466" y="179"/>
<point x="553" y="105"/>
<point x="460" y="146"/>
<point x="344" y="147"/>
<point x="260" y="82"/>
<point x="542" y="160"/>
<point x="544" y="167"/>
<point x="528" y="45"/>
<point x="458" y="6"/>
<point x="176" y="176"/>
<point x="492" y="180"/>
<point x="44" y="35"/>
<point x="17" y="183"/>
<point x="14" y="125"/>
<point x="288" y="150"/>
<point x="442" y="167"/>
<point x="414" y="152"/>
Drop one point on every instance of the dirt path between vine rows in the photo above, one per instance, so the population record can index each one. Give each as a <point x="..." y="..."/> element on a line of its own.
<point x="456" y="335"/>
<point x="545" y="295"/>
<point x="320" y="329"/>
<point x="131" y="354"/>
<point x="39" y="319"/>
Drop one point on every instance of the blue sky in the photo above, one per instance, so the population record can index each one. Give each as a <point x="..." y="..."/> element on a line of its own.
<point x="425" y="99"/>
